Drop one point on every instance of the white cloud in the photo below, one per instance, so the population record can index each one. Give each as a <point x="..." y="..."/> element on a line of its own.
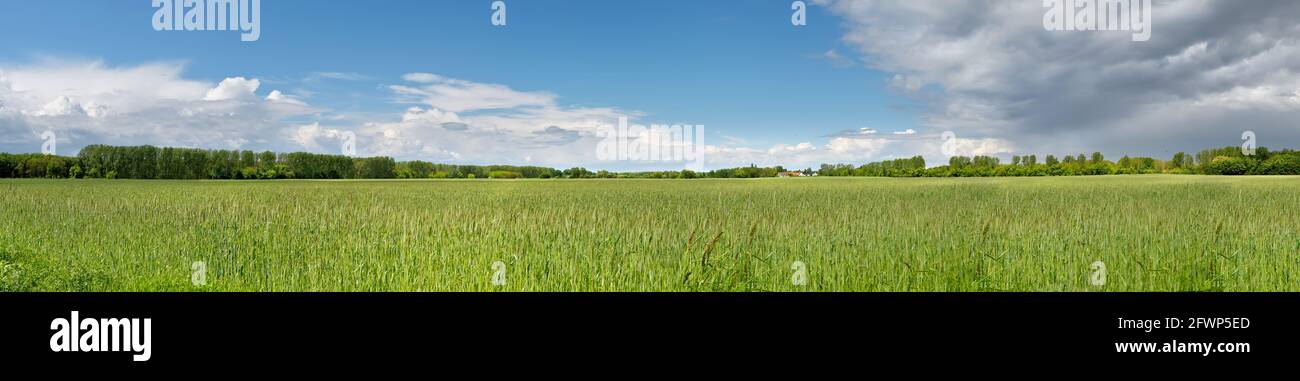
<point x="422" y="77"/>
<point x="805" y="154"/>
<point x="982" y="147"/>
<point x="460" y="95"/>
<point x="235" y="88"/>
<point x="60" y="106"/>
<point x="93" y="103"/>
<point x="123" y="89"/>
<point x="856" y="148"/>
<point x="278" y="97"/>
<point x="433" y="116"/>
<point x="487" y="123"/>
<point x="309" y="136"/>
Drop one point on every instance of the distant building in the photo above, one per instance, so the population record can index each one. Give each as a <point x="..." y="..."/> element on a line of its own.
<point x="790" y="174"/>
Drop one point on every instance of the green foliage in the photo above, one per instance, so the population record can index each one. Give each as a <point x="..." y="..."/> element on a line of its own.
<point x="504" y="175"/>
<point x="147" y="162"/>
<point x="750" y="172"/>
<point x="910" y="167"/>
<point x="1230" y="166"/>
<point x="1286" y="164"/>
<point x="579" y="173"/>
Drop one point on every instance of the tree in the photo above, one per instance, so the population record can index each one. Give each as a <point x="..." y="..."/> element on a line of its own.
<point x="504" y="175"/>
<point x="577" y="173"/>
<point x="985" y="161"/>
<point x="1177" y="161"/>
<point x="266" y="160"/>
<point x="1228" y="166"/>
<point x="959" y="162"/>
<point x="375" y="168"/>
<point x="1097" y="158"/>
<point x="1286" y="164"/>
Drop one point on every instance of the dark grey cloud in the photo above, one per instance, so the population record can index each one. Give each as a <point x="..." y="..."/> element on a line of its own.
<point x="1211" y="70"/>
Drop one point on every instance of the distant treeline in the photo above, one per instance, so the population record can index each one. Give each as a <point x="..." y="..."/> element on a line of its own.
<point x="1218" y="161"/>
<point x="148" y="162"/>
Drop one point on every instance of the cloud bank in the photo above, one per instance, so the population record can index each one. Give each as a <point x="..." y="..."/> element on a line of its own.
<point x="989" y="69"/>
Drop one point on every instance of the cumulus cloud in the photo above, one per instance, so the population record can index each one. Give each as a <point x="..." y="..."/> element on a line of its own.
<point x="310" y="136"/>
<point x="988" y="69"/>
<point x="93" y="103"/>
<point x="125" y="89"/>
<point x="236" y="88"/>
<point x="277" y="97"/>
<point x="59" y="107"/>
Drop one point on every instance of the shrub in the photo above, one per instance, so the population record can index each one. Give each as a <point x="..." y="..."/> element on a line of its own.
<point x="1280" y="165"/>
<point x="1227" y="166"/>
<point x="504" y="175"/>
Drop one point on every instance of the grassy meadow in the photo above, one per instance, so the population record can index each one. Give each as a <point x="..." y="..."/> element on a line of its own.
<point x="1153" y="233"/>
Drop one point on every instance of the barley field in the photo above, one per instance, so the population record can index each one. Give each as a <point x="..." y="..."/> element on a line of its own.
<point x="1150" y="233"/>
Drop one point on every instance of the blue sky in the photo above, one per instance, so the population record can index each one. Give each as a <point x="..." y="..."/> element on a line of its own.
<point x="739" y="68"/>
<point x="767" y="92"/>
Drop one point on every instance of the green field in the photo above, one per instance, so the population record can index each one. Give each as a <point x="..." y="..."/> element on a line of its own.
<point x="1153" y="233"/>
